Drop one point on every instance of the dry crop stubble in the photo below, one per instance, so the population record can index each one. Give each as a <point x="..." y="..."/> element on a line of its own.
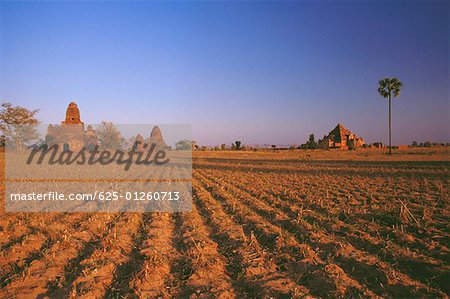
<point x="286" y="224"/>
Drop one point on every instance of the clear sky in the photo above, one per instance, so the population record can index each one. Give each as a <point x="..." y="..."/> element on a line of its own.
<point x="261" y="72"/>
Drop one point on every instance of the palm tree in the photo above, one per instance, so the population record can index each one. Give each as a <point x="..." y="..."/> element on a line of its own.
<point x="387" y="87"/>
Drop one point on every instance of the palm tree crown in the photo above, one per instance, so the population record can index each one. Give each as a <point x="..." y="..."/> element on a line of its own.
<point x="388" y="85"/>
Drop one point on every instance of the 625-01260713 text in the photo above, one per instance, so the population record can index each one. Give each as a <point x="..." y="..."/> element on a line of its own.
<point x="102" y="195"/>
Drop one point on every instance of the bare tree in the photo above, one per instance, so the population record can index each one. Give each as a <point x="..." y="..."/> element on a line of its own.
<point x="109" y="136"/>
<point x="18" y="125"/>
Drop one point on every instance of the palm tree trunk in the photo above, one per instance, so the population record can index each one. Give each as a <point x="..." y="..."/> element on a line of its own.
<point x="390" y="126"/>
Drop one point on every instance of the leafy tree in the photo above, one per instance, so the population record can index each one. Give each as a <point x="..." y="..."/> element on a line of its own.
<point x="236" y="145"/>
<point x="109" y="136"/>
<point x="386" y="88"/>
<point x="184" y="145"/>
<point x="311" y="143"/>
<point x="18" y="124"/>
<point x="414" y="144"/>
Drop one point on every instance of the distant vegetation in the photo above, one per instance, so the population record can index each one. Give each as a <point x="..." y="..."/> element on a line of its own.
<point x="311" y="143"/>
<point x="110" y="137"/>
<point x="428" y="144"/>
<point x="184" y="144"/>
<point x="236" y="145"/>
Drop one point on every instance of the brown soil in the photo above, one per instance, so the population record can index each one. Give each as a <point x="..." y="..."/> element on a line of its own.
<point x="263" y="225"/>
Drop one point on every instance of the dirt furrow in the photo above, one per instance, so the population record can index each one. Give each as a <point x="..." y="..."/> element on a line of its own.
<point x="100" y="225"/>
<point x="18" y="258"/>
<point x="156" y="277"/>
<point x="98" y="270"/>
<point x="124" y="273"/>
<point x="330" y="245"/>
<point x="43" y="264"/>
<point x="311" y="272"/>
<point x="14" y="231"/>
<point x="209" y="276"/>
<point x="351" y="200"/>
<point x="248" y="262"/>
<point x="420" y="266"/>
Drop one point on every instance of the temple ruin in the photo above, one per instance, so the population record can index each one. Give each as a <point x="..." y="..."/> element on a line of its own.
<point x="156" y="137"/>
<point x="72" y="115"/>
<point x="72" y="135"/>
<point x="341" y="138"/>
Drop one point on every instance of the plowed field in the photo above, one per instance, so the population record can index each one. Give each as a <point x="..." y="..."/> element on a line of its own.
<point x="262" y="225"/>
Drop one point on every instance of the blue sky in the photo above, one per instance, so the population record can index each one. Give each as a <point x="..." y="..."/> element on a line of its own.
<point x="261" y="72"/>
